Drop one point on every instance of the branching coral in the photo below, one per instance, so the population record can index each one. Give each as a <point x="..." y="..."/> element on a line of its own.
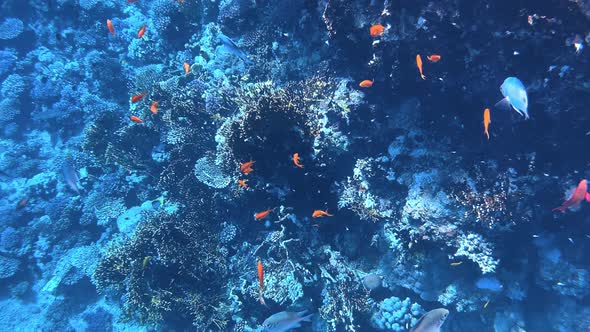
<point x="478" y="250"/>
<point x="10" y="28"/>
<point x="396" y="314"/>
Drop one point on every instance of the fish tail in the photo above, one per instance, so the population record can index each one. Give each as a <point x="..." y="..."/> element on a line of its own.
<point x="560" y="209"/>
<point x="487" y="134"/>
<point x="587" y="197"/>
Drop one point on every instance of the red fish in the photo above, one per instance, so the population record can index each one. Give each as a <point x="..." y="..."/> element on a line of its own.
<point x="131" y="1"/>
<point x="376" y="30"/>
<point x="321" y="213"/>
<point x="263" y="214"/>
<point x="434" y="58"/>
<point x="187" y="68"/>
<point x="578" y="196"/>
<point x="419" y="65"/>
<point x="296" y="160"/>
<point x="261" y="281"/>
<point x="154" y="108"/>
<point x="366" y="84"/>
<point x="111" y="27"/>
<point x="135" y="119"/>
<point x="246" y="167"/>
<point x="136" y="98"/>
<point x="141" y="31"/>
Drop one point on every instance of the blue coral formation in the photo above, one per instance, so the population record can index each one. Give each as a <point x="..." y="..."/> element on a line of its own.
<point x="153" y="225"/>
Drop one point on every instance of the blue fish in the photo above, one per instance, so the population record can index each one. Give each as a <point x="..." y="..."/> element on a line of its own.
<point x="285" y="321"/>
<point x="515" y="96"/>
<point x="234" y="49"/>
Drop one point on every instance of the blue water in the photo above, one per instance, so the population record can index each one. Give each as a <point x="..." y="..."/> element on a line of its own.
<point x="129" y="202"/>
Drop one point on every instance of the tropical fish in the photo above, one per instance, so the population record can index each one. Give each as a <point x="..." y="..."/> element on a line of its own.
<point x="433" y="58"/>
<point x="242" y="183"/>
<point x="141" y="31"/>
<point x="262" y="214"/>
<point x="321" y="213"/>
<point x="234" y="49"/>
<point x="187" y="68"/>
<point x="135" y="119"/>
<point x="246" y="167"/>
<point x="419" y="65"/>
<point x="366" y="84"/>
<point x="71" y="177"/>
<point x="261" y="282"/>
<point x="111" y="27"/>
<point x="376" y="30"/>
<point x="285" y="321"/>
<point x="515" y="95"/>
<point x="154" y="108"/>
<point x="138" y="97"/>
<point x="431" y="321"/>
<point x="578" y="196"/>
<point x="296" y="160"/>
<point x="22" y="203"/>
<point x="486" y="122"/>
<point x="146" y="260"/>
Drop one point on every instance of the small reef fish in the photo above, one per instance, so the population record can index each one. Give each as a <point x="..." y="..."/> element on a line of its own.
<point x="419" y="65"/>
<point x="261" y="282"/>
<point x="242" y="183"/>
<point x="296" y="160"/>
<point x="262" y="214"/>
<point x="486" y="122"/>
<point x="456" y="263"/>
<point x="431" y="321"/>
<point x="321" y="213"/>
<point x="154" y="108"/>
<point x="376" y="30"/>
<point x="146" y="260"/>
<point x="111" y="27"/>
<point x="578" y="196"/>
<point x="234" y="49"/>
<point x="433" y="58"/>
<point x="135" y="119"/>
<point x="22" y="203"/>
<point x="515" y="96"/>
<point x="141" y="31"/>
<point x="138" y="97"/>
<point x="246" y="167"/>
<point x="366" y="84"/>
<point x="187" y="68"/>
<point x="285" y="321"/>
<point x="71" y="177"/>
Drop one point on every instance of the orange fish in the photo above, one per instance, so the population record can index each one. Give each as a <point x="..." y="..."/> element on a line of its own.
<point x="321" y="213"/>
<point x="296" y="160"/>
<point x="246" y="167"/>
<point x="243" y="183"/>
<point x="578" y="196"/>
<point x="135" y="119"/>
<point x="263" y="214"/>
<point x="22" y="203"/>
<point x="136" y="98"/>
<point x="141" y="31"/>
<point x="261" y="282"/>
<point x="111" y="27"/>
<point x="154" y="107"/>
<point x="376" y="30"/>
<point x="187" y="68"/>
<point x="419" y="64"/>
<point x="366" y="84"/>
<point x="434" y="58"/>
<point x="486" y="122"/>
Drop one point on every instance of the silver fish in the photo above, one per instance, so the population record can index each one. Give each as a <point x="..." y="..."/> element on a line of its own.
<point x="515" y="96"/>
<point x="71" y="177"/>
<point x="285" y="321"/>
<point x="431" y="321"/>
<point x="234" y="49"/>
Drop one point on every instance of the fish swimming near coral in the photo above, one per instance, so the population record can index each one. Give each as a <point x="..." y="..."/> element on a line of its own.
<point x="486" y="122"/>
<point x="431" y="321"/>
<point x="246" y="167"/>
<point x="135" y="119"/>
<point x="141" y="31"/>
<point x="262" y="214"/>
<point x="296" y="160"/>
<point x="376" y="30"/>
<point x="260" y="269"/>
<point x="243" y="183"/>
<point x="111" y="27"/>
<point x="154" y="108"/>
<point x="137" y="97"/>
<point x="187" y="68"/>
<point x="285" y="321"/>
<point x="234" y="49"/>
<point x="580" y="194"/>
<point x="321" y="213"/>
<point x="366" y="84"/>
<point x="515" y="96"/>
<point x="419" y="65"/>
<point x="71" y="177"/>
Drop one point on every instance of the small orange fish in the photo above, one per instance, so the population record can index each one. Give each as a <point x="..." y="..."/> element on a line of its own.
<point x="321" y="213"/>
<point x="141" y="31"/>
<point x="154" y="108"/>
<point x="263" y="214"/>
<point x="242" y="183"/>
<point x="419" y="64"/>
<point x="486" y="122"/>
<point x="434" y="58"/>
<point x="187" y="68"/>
<point x="111" y="27"/>
<point x="296" y="160"/>
<point x="366" y="84"/>
<point x="138" y="97"/>
<point x="22" y="203"/>
<point x="261" y="281"/>
<point x="376" y="30"/>
<point x="246" y="167"/>
<point x="135" y="119"/>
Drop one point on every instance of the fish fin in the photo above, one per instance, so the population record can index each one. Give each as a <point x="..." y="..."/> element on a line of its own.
<point x="488" y="135"/>
<point x="587" y="197"/>
<point x="304" y="318"/>
<point x="560" y="208"/>
<point x="504" y="103"/>
<point x="417" y="323"/>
